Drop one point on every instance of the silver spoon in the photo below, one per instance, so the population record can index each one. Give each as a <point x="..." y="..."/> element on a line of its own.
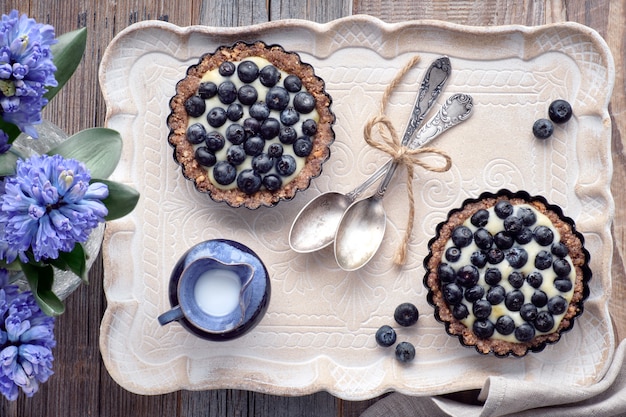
<point x="316" y="224"/>
<point x="362" y="227"/>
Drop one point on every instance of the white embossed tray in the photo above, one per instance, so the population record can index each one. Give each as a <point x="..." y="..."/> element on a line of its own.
<point x="318" y="333"/>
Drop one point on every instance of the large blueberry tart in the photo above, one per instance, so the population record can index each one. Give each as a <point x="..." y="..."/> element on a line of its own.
<point x="507" y="273"/>
<point x="251" y="124"/>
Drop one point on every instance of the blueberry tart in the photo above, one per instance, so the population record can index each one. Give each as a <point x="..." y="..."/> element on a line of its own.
<point x="507" y="273"/>
<point x="251" y="124"/>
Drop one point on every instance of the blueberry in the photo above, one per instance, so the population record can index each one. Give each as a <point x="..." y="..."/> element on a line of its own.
<point x="216" y="117"/>
<point x="496" y="295"/>
<point x="234" y="112"/>
<point x="269" y="75"/>
<point x="292" y="83"/>
<point x="259" y="111"/>
<point x="226" y="69"/>
<point x="528" y="312"/>
<point x="478" y="258"/>
<point x="543" y="129"/>
<point x="247" y="95"/>
<point x="247" y="71"/>
<point x="270" y="128"/>
<point x="503" y="209"/>
<point x="483" y="329"/>
<point x="262" y="163"/>
<point x="480" y="218"/>
<point x="224" y="172"/>
<point x="467" y="276"/>
<point x="481" y="309"/>
<point x="303" y="146"/>
<point x="236" y="155"/>
<point x="235" y="134"/>
<point x="452" y="254"/>
<point x="277" y="98"/>
<point x="559" y="250"/>
<point x="385" y="336"/>
<point x="517" y="257"/>
<point x="460" y="311"/>
<point x="196" y="133"/>
<point x="286" y="165"/>
<point x="560" y="111"/>
<point x="561" y="267"/>
<point x="446" y="273"/>
<point x="406" y="314"/>
<point x="207" y="90"/>
<point x="287" y="135"/>
<point x="309" y="127"/>
<point x="249" y="181"/>
<point x="483" y="239"/>
<point x="543" y="260"/>
<point x="272" y="182"/>
<point x="557" y="305"/>
<point x="535" y="279"/>
<point x="452" y="293"/>
<point x="525" y="332"/>
<point x="474" y="293"/>
<point x="215" y="141"/>
<point x="462" y="236"/>
<point x="195" y="106"/>
<point x="289" y="116"/>
<point x="513" y="225"/>
<point x="227" y="92"/>
<point x="544" y="322"/>
<point x="251" y="126"/>
<point x="505" y="325"/>
<point x="493" y="276"/>
<point x="524" y="236"/>
<point x="275" y="150"/>
<point x="304" y="102"/>
<point x="254" y="146"/>
<point x="514" y="300"/>
<point x="543" y="235"/>
<point x="527" y="215"/>
<point x="205" y="157"/>
<point x="563" y="284"/>
<point x="405" y="352"/>
<point x="503" y="241"/>
<point x="539" y="298"/>
<point x="495" y="256"/>
<point x="516" y="279"/>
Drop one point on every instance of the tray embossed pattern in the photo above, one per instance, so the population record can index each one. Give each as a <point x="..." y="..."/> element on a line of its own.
<point x="318" y="333"/>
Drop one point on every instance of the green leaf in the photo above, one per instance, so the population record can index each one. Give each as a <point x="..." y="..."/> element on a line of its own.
<point x="7" y="163"/>
<point x="76" y="261"/>
<point x="122" y="199"/>
<point x="10" y="129"/>
<point x="40" y="279"/>
<point x="98" y="148"/>
<point x="66" y="55"/>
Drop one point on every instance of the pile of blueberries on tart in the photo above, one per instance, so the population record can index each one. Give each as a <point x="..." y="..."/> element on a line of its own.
<point x="507" y="273"/>
<point x="251" y="124"/>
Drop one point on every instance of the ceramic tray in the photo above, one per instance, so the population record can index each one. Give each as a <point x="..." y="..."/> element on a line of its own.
<point x="318" y="333"/>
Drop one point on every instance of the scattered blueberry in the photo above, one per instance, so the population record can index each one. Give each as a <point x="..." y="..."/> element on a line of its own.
<point x="277" y="98"/>
<point x="559" y="250"/>
<point x="505" y="325"/>
<point x="270" y="128"/>
<point x="483" y="239"/>
<point x="462" y="236"/>
<point x="406" y="314"/>
<point x="557" y="305"/>
<point x="483" y="329"/>
<point x="224" y="173"/>
<point x="303" y="146"/>
<point x="196" y="133"/>
<point x="493" y="276"/>
<point x="287" y="135"/>
<point x="227" y="92"/>
<point x="207" y="90"/>
<point x="254" y="145"/>
<point x="563" y="284"/>
<point x="503" y="241"/>
<point x="247" y="95"/>
<point x="286" y="165"/>
<point x="259" y="111"/>
<point x="215" y="141"/>
<point x="525" y="332"/>
<point x="446" y="273"/>
<point x="405" y="352"/>
<point x="226" y="68"/>
<point x="495" y="256"/>
<point x="544" y="235"/>
<point x="272" y="182"/>
<point x="195" y="106"/>
<point x="474" y="293"/>
<point x="452" y="293"/>
<point x="452" y="254"/>
<point x="251" y="126"/>
<point x="234" y="112"/>
<point x="516" y="279"/>
<point x="292" y="83"/>
<point x="262" y="163"/>
<point x="289" y="116"/>
<point x="543" y="129"/>
<point x="480" y="218"/>
<point x="205" y="157"/>
<point x="517" y="257"/>
<point x="247" y="71"/>
<point x="216" y="117"/>
<point x="249" y="181"/>
<point x="529" y="312"/>
<point x="527" y="215"/>
<point x="513" y="225"/>
<point x="481" y="309"/>
<point x="309" y="127"/>
<point x="460" y="311"/>
<point x="236" y="155"/>
<point x="478" y="258"/>
<point x="560" y="111"/>
<point x="467" y="276"/>
<point x="235" y="134"/>
<point x="385" y="336"/>
<point x="269" y="75"/>
<point x="539" y="298"/>
<point x="275" y="150"/>
<point x="304" y="102"/>
<point x="543" y="260"/>
<point x="514" y="300"/>
<point x="496" y="294"/>
<point x="561" y="267"/>
<point x="524" y="236"/>
<point x="535" y="279"/>
<point x="503" y="209"/>
<point x="544" y="322"/>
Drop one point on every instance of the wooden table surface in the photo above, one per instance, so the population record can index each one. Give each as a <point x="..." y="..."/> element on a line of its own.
<point x="81" y="385"/>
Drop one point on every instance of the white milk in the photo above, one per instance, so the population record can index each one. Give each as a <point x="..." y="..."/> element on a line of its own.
<point x="217" y="292"/>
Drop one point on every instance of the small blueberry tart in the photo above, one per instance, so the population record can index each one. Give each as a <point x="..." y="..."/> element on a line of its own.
<point x="507" y="273"/>
<point x="251" y="124"/>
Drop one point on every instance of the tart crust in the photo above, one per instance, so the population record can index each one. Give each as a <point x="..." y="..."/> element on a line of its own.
<point x="285" y="61"/>
<point x="569" y="236"/>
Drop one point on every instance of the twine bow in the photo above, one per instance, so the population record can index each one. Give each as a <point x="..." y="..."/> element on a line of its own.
<point x="391" y="144"/>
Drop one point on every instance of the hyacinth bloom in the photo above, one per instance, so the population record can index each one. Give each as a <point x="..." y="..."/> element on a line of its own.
<point x="26" y="69"/>
<point x="48" y="206"/>
<point x="26" y="341"/>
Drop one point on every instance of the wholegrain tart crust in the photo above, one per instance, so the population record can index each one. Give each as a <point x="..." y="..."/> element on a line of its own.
<point x="459" y="316"/>
<point x="288" y="63"/>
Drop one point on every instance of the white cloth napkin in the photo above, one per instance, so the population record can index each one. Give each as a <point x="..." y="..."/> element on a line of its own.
<point x="507" y="397"/>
